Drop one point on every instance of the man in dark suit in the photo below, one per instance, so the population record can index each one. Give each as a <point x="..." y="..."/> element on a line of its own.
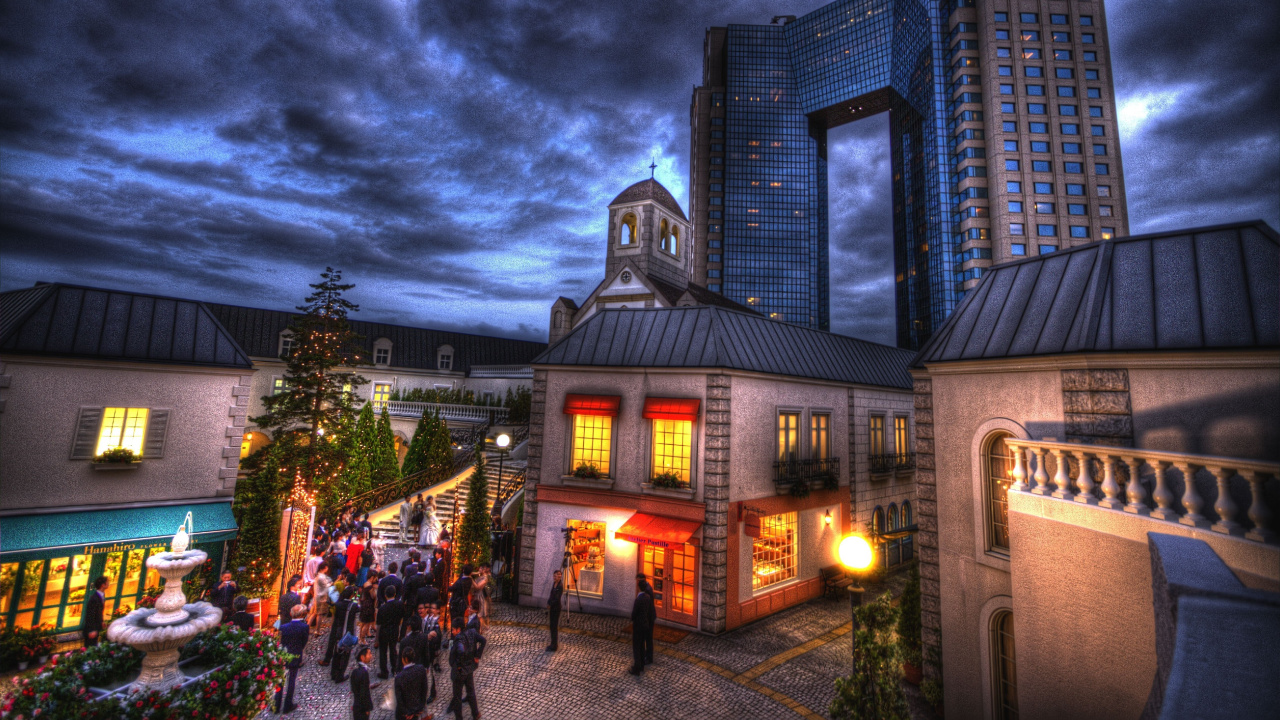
<point x="241" y="617"/>
<point x="653" y="621"/>
<point x="224" y="595"/>
<point x="642" y="616"/>
<point x="411" y="688"/>
<point x="553" y="604"/>
<point x="413" y="583"/>
<point x="390" y="617"/>
<point x="464" y="656"/>
<point x="91" y="626"/>
<point x="390" y="579"/>
<point x="289" y="599"/>
<point x="293" y="636"/>
<point x="361" y="700"/>
<point x="460" y="598"/>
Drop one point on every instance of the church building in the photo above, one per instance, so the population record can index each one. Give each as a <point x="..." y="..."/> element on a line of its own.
<point x="648" y="262"/>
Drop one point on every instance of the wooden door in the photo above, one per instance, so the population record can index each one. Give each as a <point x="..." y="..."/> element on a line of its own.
<point x="673" y="574"/>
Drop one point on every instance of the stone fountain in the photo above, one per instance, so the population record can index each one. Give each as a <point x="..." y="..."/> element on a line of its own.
<point x="161" y="630"/>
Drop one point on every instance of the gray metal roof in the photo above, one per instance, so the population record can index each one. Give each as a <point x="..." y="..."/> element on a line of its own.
<point x="650" y="189"/>
<point x="73" y="321"/>
<point x="716" y="337"/>
<point x="1202" y="288"/>
<point x="258" y="332"/>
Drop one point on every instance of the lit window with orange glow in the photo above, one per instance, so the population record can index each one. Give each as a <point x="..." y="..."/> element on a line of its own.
<point x="672" y="448"/>
<point x="773" y="554"/>
<point x="592" y="437"/>
<point x="122" y="427"/>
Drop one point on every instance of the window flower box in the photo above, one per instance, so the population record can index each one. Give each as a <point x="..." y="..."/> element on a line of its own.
<point x="115" y="465"/>
<point x="683" y="492"/>
<point x="117" y="458"/>
<point x="598" y="483"/>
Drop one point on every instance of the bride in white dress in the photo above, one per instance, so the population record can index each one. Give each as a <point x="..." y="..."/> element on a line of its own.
<point x="430" y="530"/>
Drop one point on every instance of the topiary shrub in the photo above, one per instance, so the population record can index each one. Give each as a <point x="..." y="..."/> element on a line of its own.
<point x="873" y="691"/>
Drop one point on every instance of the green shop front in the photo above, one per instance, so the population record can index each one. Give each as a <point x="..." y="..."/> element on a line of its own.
<point x="47" y="561"/>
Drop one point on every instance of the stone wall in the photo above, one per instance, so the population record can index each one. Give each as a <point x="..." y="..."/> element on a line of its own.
<point x="715" y="531"/>
<point x="927" y="520"/>
<point x="528" y="537"/>
<point x="1096" y="407"/>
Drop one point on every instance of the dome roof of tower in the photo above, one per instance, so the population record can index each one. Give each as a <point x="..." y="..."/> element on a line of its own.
<point x="650" y="189"/>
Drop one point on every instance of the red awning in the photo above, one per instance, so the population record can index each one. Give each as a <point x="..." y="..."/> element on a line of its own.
<point x="657" y="408"/>
<point x="657" y="530"/>
<point x="606" y="405"/>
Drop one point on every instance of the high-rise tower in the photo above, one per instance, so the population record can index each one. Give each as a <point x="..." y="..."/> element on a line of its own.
<point x="1002" y="135"/>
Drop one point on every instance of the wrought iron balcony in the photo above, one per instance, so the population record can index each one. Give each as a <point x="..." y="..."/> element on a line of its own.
<point x="811" y="471"/>
<point x="886" y="463"/>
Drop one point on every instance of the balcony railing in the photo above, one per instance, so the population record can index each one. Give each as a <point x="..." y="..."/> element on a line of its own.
<point x="1200" y="491"/>
<point x="456" y="413"/>
<point x="813" y="471"/>
<point x="891" y="462"/>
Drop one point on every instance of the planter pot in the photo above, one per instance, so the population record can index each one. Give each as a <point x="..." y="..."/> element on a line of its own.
<point x="22" y="665"/>
<point x="603" y="483"/>
<point x="44" y="659"/>
<point x="116" y="465"/>
<point x="912" y="673"/>
<point x="682" y="493"/>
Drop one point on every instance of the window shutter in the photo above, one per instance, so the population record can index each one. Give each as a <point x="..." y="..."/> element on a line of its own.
<point x="157" y="424"/>
<point x="86" y="439"/>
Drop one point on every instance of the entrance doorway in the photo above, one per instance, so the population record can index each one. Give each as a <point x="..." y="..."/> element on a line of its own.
<point x="673" y="573"/>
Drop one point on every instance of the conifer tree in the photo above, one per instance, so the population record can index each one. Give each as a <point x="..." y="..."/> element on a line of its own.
<point x="258" y="515"/>
<point x="384" y="466"/>
<point x="437" y="452"/>
<point x="471" y="540"/>
<point x="873" y="691"/>
<point x="413" y="459"/>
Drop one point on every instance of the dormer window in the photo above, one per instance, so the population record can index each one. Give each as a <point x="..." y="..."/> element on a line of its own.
<point x="286" y="344"/>
<point x="382" y="352"/>
<point x="444" y="357"/>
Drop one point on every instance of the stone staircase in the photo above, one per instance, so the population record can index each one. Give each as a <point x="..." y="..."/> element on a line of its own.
<point x="449" y="495"/>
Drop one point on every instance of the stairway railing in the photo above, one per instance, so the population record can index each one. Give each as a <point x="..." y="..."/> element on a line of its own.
<point x="509" y="489"/>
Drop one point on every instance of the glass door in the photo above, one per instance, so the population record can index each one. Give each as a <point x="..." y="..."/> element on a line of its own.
<point x="653" y="563"/>
<point x="673" y="574"/>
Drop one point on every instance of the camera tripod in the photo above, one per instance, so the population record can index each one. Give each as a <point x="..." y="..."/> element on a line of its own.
<point x="567" y="562"/>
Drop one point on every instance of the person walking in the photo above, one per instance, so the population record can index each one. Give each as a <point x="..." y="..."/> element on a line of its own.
<point x="361" y="700"/>
<point x="368" y="606"/>
<point x="653" y="621"/>
<point x="553" y="605"/>
<point x="390" y="617"/>
<point x="293" y="636"/>
<point x="354" y="552"/>
<point x="344" y="621"/>
<point x="406" y="515"/>
<point x="241" y="617"/>
<point x="289" y="599"/>
<point x="313" y="562"/>
<point x="390" y="579"/>
<point x="91" y="626"/>
<point x="320" y="599"/>
<point x="460" y="597"/>
<point x="366" y="559"/>
<point x="411" y="688"/>
<point x="642" y="615"/>
<point x="464" y="656"/>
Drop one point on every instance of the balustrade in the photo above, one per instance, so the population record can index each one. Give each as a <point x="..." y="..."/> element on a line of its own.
<point x="1066" y="471"/>
<point x="458" y="413"/>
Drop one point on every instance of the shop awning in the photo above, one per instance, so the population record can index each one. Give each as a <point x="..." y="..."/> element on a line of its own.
<point x="658" y="408"/>
<point x="657" y="530"/>
<point x="30" y="537"/>
<point x="606" y="405"/>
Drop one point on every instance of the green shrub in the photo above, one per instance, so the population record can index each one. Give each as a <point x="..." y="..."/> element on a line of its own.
<point x="116" y="455"/>
<point x="873" y="690"/>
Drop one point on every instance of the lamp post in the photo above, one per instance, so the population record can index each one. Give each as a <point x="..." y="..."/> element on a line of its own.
<point x="856" y="555"/>
<point x="502" y="442"/>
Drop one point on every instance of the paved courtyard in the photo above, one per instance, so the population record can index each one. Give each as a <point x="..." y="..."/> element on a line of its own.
<point x="782" y="667"/>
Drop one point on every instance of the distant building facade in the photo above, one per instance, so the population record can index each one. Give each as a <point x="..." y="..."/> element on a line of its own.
<point x="83" y="371"/>
<point x="718" y="452"/>
<point x="1060" y="412"/>
<point x="1003" y="140"/>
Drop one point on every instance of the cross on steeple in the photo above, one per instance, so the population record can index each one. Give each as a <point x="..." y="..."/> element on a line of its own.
<point x="652" y="166"/>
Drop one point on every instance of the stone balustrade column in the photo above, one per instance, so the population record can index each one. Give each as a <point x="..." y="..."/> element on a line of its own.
<point x="1041" y="477"/>
<point x="1062" y="478"/>
<point x="1259" y="513"/>
<point x="1085" y="480"/>
<point x="1110" y="488"/>
<point x="1019" y="474"/>
<point x="1134" y="491"/>
<point x="1163" y="496"/>
<point x="1224" y="505"/>
<point x="1191" y="501"/>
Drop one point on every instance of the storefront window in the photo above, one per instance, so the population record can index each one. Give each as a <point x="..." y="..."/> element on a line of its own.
<point x="672" y="443"/>
<point x="591" y="439"/>
<point x="58" y="568"/>
<point x="133" y="572"/>
<point x="586" y="548"/>
<point x="773" y="554"/>
<point x="8" y="579"/>
<point x="75" y="593"/>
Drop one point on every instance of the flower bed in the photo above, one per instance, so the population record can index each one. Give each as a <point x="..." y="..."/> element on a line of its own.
<point x="248" y="666"/>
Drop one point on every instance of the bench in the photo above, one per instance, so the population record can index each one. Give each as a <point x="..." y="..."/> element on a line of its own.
<point x="834" y="578"/>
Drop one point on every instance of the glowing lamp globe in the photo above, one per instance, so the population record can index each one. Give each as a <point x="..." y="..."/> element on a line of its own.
<point x="855" y="553"/>
<point x="504" y="440"/>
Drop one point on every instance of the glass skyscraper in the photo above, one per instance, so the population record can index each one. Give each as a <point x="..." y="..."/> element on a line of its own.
<point x="759" y="161"/>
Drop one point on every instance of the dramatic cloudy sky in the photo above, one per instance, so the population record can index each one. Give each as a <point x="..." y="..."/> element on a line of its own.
<point x="455" y="158"/>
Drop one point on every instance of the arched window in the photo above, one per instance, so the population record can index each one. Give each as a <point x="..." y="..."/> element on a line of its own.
<point x="877" y="521"/>
<point x="252" y="442"/>
<point x="627" y="233"/>
<point x="674" y="247"/>
<point x="997" y="463"/>
<point x="663" y="235"/>
<point x="908" y="542"/>
<point x="1004" y="674"/>
<point x="893" y="547"/>
<point x="557" y="321"/>
<point x="877" y="529"/>
<point x="907" y="520"/>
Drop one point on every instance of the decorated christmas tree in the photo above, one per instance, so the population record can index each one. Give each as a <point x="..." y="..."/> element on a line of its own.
<point x="437" y="451"/>
<point x="415" y="457"/>
<point x="384" y="465"/>
<point x="471" y="541"/>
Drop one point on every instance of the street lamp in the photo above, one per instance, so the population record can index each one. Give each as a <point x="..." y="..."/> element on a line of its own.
<point x="502" y="442"/>
<point x="856" y="555"/>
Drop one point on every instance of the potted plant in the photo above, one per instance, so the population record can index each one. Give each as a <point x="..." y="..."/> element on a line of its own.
<point x="909" y="629"/>
<point x="587" y="471"/>
<point x="116" y="458"/>
<point x="830" y="481"/>
<point x="668" y="480"/>
<point x="799" y="489"/>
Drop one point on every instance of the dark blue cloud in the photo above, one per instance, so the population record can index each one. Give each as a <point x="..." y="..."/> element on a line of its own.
<point x="455" y="158"/>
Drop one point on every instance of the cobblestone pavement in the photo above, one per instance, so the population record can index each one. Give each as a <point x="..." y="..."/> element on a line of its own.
<point x="782" y="667"/>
